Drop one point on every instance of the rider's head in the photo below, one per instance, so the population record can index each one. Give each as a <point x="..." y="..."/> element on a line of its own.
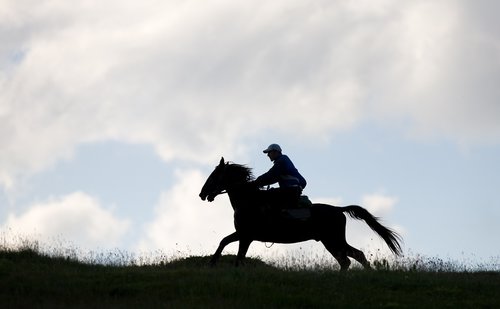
<point x="273" y="151"/>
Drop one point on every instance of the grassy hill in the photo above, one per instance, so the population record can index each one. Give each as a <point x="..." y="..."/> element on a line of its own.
<point x="29" y="279"/>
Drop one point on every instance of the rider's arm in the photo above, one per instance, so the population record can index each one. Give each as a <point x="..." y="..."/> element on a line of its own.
<point x="270" y="177"/>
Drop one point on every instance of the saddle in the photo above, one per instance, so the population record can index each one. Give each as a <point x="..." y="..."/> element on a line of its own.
<point x="301" y="211"/>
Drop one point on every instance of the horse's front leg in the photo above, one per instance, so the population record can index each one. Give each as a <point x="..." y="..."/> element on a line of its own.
<point x="223" y="243"/>
<point x="242" y="250"/>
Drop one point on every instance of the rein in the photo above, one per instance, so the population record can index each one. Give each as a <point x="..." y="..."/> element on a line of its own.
<point x="224" y="191"/>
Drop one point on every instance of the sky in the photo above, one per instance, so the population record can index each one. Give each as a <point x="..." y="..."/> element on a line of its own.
<point x="114" y="113"/>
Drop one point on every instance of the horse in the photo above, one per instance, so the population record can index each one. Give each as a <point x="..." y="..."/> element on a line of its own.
<point x="254" y="221"/>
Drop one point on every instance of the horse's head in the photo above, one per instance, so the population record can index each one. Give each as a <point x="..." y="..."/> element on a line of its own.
<point x="213" y="185"/>
<point x="224" y="177"/>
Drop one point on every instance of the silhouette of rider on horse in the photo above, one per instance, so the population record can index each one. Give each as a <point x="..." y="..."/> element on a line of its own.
<point x="291" y="183"/>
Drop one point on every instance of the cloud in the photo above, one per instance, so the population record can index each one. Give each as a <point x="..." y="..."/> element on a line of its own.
<point x="184" y="222"/>
<point x="359" y="235"/>
<point x="378" y="204"/>
<point x="76" y="217"/>
<point x="193" y="78"/>
<point x="454" y="65"/>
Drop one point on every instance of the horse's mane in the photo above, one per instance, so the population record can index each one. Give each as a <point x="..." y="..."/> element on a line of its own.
<point x="240" y="171"/>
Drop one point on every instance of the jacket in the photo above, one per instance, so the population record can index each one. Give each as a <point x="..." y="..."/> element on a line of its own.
<point x="282" y="172"/>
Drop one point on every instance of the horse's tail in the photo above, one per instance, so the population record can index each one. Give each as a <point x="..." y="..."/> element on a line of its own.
<point x="391" y="237"/>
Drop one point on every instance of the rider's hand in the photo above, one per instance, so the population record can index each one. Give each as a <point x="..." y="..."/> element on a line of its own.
<point x="253" y="183"/>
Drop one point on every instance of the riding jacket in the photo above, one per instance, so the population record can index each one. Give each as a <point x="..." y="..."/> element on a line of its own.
<point x="282" y="172"/>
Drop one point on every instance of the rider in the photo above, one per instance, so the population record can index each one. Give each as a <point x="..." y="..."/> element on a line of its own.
<point x="291" y="182"/>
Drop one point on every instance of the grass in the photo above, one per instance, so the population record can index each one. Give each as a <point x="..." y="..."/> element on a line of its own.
<point x="31" y="279"/>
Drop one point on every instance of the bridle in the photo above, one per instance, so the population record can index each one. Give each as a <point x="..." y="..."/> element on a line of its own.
<point x="222" y="187"/>
<point x="211" y="196"/>
<point x="217" y="190"/>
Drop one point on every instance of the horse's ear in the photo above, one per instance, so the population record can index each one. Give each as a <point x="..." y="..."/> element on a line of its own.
<point x="221" y="161"/>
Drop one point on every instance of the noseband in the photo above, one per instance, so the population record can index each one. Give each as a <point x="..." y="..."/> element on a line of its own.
<point x="211" y="196"/>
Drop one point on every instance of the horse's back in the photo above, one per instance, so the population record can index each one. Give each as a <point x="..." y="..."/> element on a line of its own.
<point x="320" y="208"/>
<point x="324" y="213"/>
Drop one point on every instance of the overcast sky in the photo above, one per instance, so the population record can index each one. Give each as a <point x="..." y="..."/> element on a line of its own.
<point x="113" y="113"/>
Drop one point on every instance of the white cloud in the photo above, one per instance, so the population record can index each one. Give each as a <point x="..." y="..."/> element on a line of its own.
<point x="184" y="222"/>
<point x="378" y="204"/>
<point x="76" y="217"/>
<point x="197" y="80"/>
<point x="358" y="233"/>
<point x="455" y="64"/>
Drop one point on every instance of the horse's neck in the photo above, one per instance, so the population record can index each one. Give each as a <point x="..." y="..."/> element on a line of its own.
<point x="241" y="198"/>
<point x="233" y="200"/>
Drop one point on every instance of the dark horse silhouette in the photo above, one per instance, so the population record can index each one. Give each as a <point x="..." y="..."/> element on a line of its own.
<point x="254" y="221"/>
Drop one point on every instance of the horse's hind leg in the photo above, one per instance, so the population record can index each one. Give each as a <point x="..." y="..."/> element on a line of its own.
<point x="359" y="256"/>
<point x="224" y="242"/>
<point x="339" y="254"/>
